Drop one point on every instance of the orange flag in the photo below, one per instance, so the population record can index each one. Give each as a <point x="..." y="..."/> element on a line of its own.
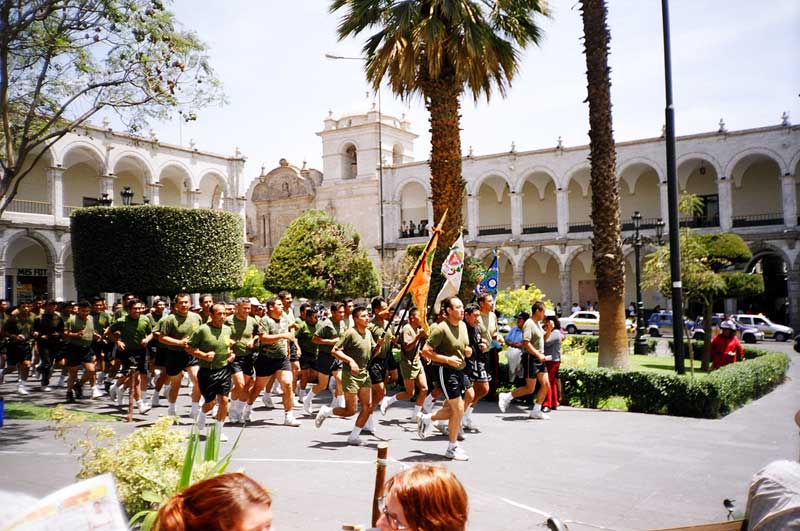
<point x="419" y="279"/>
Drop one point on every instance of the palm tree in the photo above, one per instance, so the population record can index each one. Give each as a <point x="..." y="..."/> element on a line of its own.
<point x="438" y="49"/>
<point x="606" y="240"/>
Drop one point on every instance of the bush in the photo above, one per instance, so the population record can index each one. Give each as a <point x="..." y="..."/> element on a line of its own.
<point x="720" y="393"/>
<point x="152" y="250"/>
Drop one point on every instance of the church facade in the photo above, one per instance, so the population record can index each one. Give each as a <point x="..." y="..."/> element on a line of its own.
<point x="534" y="207"/>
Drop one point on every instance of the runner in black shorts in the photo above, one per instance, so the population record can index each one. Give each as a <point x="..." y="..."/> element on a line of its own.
<point x="79" y="331"/>
<point x="476" y="365"/>
<point x="19" y="333"/>
<point x="176" y="329"/>
<point x="156" y="351"/>
<point x="102" y="349"/>
<point x="212" y="345"/>
<point x="327" y="335"/>
<point x="48" y="329"/>
<point x="131" y="335"/>
<point x="244" y="333"/>
<point x="306" y="327"/>
<point x="380" y="328"/>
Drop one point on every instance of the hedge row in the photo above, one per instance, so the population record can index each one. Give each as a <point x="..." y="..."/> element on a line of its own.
<point x="151" y="250"/>
<point x="590" y="343"/>
<point x="716" y="395"/>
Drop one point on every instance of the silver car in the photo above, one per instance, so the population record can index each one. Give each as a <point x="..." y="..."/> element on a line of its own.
<point x="770" y="329"/>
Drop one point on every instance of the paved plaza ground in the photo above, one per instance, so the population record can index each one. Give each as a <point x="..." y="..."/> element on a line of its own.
<point x="622" y="471"/>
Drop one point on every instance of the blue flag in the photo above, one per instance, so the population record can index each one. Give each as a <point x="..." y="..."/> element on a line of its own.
<point x="488" y="284"/>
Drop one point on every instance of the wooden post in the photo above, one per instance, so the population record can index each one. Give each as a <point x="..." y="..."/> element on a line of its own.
<point x="380" y="480"/>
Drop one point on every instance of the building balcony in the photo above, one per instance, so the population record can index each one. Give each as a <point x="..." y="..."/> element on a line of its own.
<point x="699" y="222"/>
<point x="540" y="228"/>
<point x="24" y="206"/>
<point x="758" y="220"/>
<point x="492" y="230"/>
<point x="646" y="223"/>
<point x="581" y="226"/>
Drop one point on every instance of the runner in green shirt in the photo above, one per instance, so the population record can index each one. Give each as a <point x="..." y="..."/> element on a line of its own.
<point x="79" y="332"/>
<point x="158" y="352"/>
<point x="175" y="331"/>
<point x="448" y="346"/>
<point x="131" y="334"/>
<point x="212" y="345"/>
<point x="379" y="364"/>
<point x="19" y="330"/>
<point x="355" y="349"/>
<point x="411" y="338"/>
<point x="304" y="335"/>
<point x="327" y="335"/>
<point x="107" y="366"/>
<point x="244" y="333"/>
<point x="533" y="363"/>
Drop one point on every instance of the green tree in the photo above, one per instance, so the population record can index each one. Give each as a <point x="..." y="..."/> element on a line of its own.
<point x="253" y="285"/>
<point x="319" y="258"/>
<point x="606" y="239"/>
<point x="63" y="61"/>
<point x="707" y="262"/>
<point x="437" y="49"/>
<point x="512" y="301"/>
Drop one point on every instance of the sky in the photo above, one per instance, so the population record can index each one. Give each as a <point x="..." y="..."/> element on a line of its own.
<point x="732" y="59"/>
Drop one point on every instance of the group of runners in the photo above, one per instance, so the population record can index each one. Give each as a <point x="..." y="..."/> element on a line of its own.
<point x="233" y="353"/>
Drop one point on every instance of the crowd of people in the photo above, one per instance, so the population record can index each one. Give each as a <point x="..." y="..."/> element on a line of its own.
<point x="232" y="353"/>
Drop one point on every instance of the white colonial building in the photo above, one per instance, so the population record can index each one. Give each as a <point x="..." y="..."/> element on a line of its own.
<point x="79" y="170"/>
<point x="534" y="206"/>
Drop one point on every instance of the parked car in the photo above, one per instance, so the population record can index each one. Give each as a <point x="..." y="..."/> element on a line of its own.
<point x="748" y="334"/>
<point x="588" y="321"/>
<point x="660" y="323"/>
<point x="797" y="344"/>
<point x="775" y="331"/>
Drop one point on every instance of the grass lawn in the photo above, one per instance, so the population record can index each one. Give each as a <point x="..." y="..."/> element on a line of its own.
<point x="28" y="411"/>
<point x="664" y="364"/>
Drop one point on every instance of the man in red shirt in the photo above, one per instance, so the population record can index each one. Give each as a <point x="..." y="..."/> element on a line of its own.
<point x="725" y="347"/>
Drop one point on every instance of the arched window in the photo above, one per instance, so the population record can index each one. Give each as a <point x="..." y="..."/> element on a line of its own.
<point x="350" y="169"/>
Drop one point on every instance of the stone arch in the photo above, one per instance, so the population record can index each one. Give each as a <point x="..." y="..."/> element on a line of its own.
<point x="97" y="156"/>
<point x="794" y="166"/>
<point x="549" y="280"/>
<point x="530" y="171"/>
<point x="213" y="189"/>
<point x="176" y="179"/>
<point x="474" y="187"/>
<point x="684" y="169"/>
<point x="530" y="251"/>
<point x="397" y="154"/>
<point x="130" y="169"/>
<point x="760" y="249"/>
<point x="573" y="172"/>
<point x="349" y="150"/>
<point x="181" y="167"/>
<point x="414" y="208"/>
<point x="398" y="190"/>
<point x="756" y="188"/>
<point x="639" y="182"/>
<point x="783" y="168"/>
<point x="775" y="266"/>
<point x="49" y="249"/>
<point x="574" y="254"/>
<point x="494" y="205"/>
<point x="143" y="163"/>
<point x="628" y="164"/>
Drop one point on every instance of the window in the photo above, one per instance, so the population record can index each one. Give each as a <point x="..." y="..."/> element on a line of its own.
<point x="745" y="320"/>
<point x="759" y="321"/>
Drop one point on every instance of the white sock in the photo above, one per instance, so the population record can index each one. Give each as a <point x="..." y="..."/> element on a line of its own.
<point x="468" y="412"/>
<point x="301" y="393"/>
<point x="195" y="406"/>
<point x="310" y="394"/>
<point x="390" y="400"/>
<point x="267" y="396"/>
<point x="356" y="432"/>
<point x="417" y="410"/>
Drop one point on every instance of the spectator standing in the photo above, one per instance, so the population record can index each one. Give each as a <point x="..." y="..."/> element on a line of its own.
<point x="552" y="356"/>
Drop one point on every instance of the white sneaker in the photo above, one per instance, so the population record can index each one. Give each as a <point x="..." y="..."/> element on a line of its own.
<point x="456" y="453"/>
<point x="245" y="416"/>
<point x="201" y="422"/>
<point x="171" y="411"/>
<point x="96" y="393"/>
<point x="47" y="388"/>
<point x="223" y="437"/>
<point x="289" y="420"/>
<point x="427" y="406"/>
<point x="339" y="401"/>
<point x="384" y="405"/>
<point x="61" y="381"/>
<point x="423" y="426"/>
<point x="267" y="400"/>
<point x="469" y="425"/>
<point x="22" y="389"/>
<point x="503" y="400"/>
<point x="144" y="407"/>
<point x="165" y="390"/>
<point x="356" y="441"/>
<point x="308" y="404"/>
<point x="120" y="397"/>
<point x="234" y="415"/>
<point x="156" y="399"/>
<point x="296" y="402"/>
<point x="324" y="413"/>
<point x="537" y="414"/>
<point x="194" y="412"/>
<point x="415" y="417"/>
<point x="441" y="427"/>
<point x="112" y="391"/>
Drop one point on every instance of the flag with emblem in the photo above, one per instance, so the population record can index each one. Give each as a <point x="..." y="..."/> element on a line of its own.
<point x="488" y="284"/>
<point x="452" y="269"/>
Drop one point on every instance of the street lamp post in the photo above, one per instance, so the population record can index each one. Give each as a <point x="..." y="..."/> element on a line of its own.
<point x="104" y="200"/>
<point x="637" y="241"/>
<point x="127" y="196"/>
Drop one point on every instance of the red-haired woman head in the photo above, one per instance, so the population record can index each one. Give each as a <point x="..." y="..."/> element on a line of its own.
<point x="424" y="498"/>
<point x="231" y="502"/>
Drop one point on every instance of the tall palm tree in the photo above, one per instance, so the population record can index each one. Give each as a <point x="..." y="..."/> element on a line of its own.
<point x="438" y="49"/>
<point x="606" y="239"/>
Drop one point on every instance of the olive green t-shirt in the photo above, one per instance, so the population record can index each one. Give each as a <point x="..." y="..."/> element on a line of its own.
<point x="327" y="329"/>
<point x="209" y="338"/>
<point x="102" y="320"/>
<point x="179" y="327"/>
<point x="407" y="335"/>
<point x="304" y="334"/>
<point x="279" y="349"/>
<point x="132" y="331"/>
<point x="378" y="329"/>
<point x="488" y="324"/>
<point x="449" y="340"/>
<point x="76" y="324"/>
<point x="533" y="334"/>
<point x="242" y="332"/>
<point x="357" y="346"/>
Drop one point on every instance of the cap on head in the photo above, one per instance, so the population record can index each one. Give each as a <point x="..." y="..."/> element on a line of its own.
<point x="523" y="315"/>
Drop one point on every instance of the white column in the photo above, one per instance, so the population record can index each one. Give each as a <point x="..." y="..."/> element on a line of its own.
<point x="240" y="204"/>
<point x="472" y="214"/>
<point x="3" y="281"/>
<point x="566" y="291"/>
<point x="57" y="192"/>
<point x="194" y="198"/>
<point x="519" y="276"/>
<point x="429" y="205"/>
<point x="155" y="193"/>
<point x="562" y="212"/>
<point x="516" y="215"/>
<point x="107" y="187"/>
<point x="57" y="287"/>
<point x="725" y="204"/>
<point x="663" y="195"/>
<point x="789" y="200"/>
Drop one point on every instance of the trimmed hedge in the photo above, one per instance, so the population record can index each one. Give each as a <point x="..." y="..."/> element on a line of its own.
<point x="152" y="250"/>
<point x="591" y="343"/>
<point x="718" y="394"/>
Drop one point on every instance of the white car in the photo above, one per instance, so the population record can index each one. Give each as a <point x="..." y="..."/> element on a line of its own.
<point x="588" y="321"/>
<point x="770" y="329"/>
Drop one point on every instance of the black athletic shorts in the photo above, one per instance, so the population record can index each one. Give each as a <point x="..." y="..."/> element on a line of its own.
<point x="532" y="366"/>
<point x="101" y="349"/>
<point x="476" y="371"/>
<point x="308" y="361"/>
<point x="327" y="364"/>
<point x="431" y="374"/>
<point x="377" y="370"/>
<point x="78" y="355"/>
<point x="243" y="364"/>
<point x="294" y="354"/>
<point x="133" y="358"/>
<point x="19" y="352"/>
<point x="177" y="360"/>
<point x="162" y="355"/>
<point x="268" y="366"/>
<point x="453" y="382"/>
<point x="214" y="382"/>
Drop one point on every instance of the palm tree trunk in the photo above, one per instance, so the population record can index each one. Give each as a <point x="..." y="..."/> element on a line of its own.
<point x="447" y="186"/>
<point x="606" y="243"/>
